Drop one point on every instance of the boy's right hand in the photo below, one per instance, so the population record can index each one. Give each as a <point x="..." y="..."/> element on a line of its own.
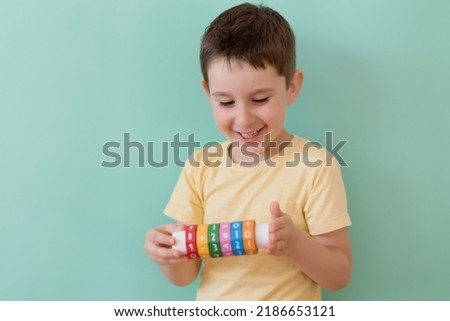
<point x="158" y="245"/>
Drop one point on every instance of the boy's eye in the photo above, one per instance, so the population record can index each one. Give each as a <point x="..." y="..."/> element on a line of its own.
<point x="261" y="101"/>
<point x="226" y="103"/>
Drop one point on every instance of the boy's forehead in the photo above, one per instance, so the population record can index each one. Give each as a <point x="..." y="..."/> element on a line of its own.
<point x="238" y="75"/>
<point x="233" y="64"/>
<point x="221" y="68"/>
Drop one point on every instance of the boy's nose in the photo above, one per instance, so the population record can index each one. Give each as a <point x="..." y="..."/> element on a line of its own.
<point x="243" y="118"/>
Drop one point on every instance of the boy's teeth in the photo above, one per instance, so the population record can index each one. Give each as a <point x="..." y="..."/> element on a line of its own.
<point x="250" y="135"/>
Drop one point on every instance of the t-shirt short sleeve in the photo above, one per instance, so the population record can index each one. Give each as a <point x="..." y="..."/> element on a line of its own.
<point x="326" y="207"/>
<point x="185" y="204"/>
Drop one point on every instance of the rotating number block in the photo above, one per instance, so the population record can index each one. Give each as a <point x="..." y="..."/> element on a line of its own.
<point x="202" y="241"/>
<point x="236" y="238"/>
<point x="213" y="240"/>
<point x="225" y="239"/>
<point x="248" y="236"/>
<point x="191" y="242"/>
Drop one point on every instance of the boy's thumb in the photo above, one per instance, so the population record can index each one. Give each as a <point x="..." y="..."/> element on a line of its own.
<point x="275" y="209"/>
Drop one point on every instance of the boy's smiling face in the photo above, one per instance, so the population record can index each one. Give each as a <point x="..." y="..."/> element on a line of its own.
<point x="250" y="103"/>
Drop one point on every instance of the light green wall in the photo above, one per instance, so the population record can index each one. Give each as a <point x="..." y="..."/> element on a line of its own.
<point x="77" y="74"/>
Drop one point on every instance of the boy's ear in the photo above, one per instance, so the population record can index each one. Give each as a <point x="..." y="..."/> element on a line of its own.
<point x="205" y="87"/>
<point x="295" y="86"/>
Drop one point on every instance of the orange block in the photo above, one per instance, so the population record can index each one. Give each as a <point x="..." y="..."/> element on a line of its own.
<point x="248" y="237"/>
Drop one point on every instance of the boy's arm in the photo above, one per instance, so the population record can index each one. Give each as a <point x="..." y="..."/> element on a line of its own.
<point x="182" y="273"/>
<point x="325" y="258"/>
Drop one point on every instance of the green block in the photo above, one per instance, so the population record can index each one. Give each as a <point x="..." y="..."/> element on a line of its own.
<point x="214" y="240"/>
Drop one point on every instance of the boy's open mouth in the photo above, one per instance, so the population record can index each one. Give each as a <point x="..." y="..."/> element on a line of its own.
<point x="250" y="135"/>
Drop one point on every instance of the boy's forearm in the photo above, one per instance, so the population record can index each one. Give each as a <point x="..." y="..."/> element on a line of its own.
<point x="183" y="273"/>
<point x="327" y="265"/>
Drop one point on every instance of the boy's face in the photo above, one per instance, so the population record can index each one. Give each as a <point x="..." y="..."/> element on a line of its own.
<point x="250" y="103"/>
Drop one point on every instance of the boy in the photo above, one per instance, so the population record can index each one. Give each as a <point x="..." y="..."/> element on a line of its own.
<point x="248" y="64"/>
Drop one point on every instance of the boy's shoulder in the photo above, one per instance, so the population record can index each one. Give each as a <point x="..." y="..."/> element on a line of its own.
<point x="313" y="154"/>
<point x="299" y="151"/>
<point x="210" y="155"/>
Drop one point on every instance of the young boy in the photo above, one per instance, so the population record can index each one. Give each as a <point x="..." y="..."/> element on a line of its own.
<point x="261" y="172"/>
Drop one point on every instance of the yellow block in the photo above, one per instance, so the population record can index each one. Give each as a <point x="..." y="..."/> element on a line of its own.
<point x="202" y="241"/>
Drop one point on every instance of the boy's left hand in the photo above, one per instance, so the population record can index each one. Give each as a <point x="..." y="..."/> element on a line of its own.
<point x="283" y="234"/>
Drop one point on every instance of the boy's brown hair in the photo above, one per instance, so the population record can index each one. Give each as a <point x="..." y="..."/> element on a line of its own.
<point x="255" y="34"/>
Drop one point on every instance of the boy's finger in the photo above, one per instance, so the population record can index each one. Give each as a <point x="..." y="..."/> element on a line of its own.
<point x="163" y="239"/>
<point x="275" y="210"/>
<point x="168" y="228"/>
<point x="165" y="256"/>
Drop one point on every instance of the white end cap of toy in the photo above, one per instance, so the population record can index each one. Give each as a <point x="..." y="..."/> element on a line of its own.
<point x="262" y="235"/>
<point x="180" y="241"/>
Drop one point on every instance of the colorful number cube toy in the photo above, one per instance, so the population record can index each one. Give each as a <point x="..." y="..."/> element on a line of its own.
<point x="222" y="239"/>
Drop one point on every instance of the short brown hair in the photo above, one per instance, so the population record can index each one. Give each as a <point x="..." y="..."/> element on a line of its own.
<point x="256" y="34"/>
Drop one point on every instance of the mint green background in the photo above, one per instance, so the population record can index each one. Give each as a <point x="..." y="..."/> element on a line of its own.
<point x="76" y="74"/>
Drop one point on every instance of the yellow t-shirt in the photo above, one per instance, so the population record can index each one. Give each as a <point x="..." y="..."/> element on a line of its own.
<point x="304" y="179"/>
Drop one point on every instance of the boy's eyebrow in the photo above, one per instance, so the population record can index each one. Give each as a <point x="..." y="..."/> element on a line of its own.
<point x="257" y="91"/>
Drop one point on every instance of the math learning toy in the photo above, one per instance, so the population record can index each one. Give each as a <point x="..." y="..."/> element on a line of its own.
<point x="221" y="239"/>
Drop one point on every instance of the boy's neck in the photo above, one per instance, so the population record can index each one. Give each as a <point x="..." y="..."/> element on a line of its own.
<point x="248" y="154"/>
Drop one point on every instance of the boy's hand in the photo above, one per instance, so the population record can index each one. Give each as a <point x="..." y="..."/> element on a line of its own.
<point x="158" y="245"/>
<point x="283" y="234"/>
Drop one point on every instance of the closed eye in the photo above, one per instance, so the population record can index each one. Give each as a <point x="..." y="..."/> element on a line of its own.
<point x="226" y="103"/>
<point x="260" y="101"/>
